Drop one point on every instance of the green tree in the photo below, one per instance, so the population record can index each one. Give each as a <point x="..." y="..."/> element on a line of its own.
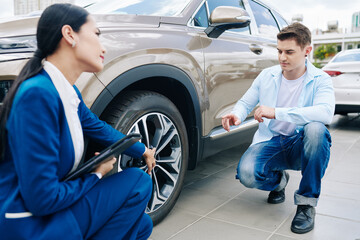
<point x="325" y="51"/>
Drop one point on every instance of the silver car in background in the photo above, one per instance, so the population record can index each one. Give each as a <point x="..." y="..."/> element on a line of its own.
<point x="344" y="70"/>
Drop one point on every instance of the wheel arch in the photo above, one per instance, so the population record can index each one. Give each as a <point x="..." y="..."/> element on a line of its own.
<point x="169" y="81"/>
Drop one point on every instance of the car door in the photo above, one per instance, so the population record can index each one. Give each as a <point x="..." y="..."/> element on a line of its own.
<point x="231" y="62"/>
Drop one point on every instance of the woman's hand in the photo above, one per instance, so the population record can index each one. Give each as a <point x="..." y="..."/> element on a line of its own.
<point x="149" y="156"/>
<point x="106" y="166"/>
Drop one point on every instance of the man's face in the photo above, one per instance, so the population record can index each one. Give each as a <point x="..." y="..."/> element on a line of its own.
<point x="291" y="56"/>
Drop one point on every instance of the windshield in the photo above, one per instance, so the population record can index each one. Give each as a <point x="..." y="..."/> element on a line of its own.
<point x="348" y="57"/>
<point x="139" y="7"/>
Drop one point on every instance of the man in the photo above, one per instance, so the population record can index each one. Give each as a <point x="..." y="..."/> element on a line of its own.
<point x="295" y="100"/>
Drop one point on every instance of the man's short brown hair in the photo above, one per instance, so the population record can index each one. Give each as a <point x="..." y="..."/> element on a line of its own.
<point x="297" y="31"/>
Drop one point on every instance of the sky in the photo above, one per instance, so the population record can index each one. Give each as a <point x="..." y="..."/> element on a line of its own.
<point x="316" y="13"/>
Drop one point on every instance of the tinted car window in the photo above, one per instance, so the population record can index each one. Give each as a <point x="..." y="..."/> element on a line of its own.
<point x="232" y="3"/>
<point x="281" y="21"/>
<point x="201" y="18"/>
<point x="144" y="7"/>
<point x="265" y="21"/>
<point x="347" y="57"/>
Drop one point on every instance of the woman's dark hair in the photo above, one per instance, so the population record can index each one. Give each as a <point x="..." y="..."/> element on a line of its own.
<point x="48" y="36"/>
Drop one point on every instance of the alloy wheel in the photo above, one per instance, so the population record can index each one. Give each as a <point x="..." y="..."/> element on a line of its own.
<point x="160" y="132"/>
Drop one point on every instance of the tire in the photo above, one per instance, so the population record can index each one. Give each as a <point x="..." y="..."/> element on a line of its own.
<point x="161" y="125"/>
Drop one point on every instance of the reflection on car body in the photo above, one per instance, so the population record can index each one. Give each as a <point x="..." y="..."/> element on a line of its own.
<point x="171" y="70"/>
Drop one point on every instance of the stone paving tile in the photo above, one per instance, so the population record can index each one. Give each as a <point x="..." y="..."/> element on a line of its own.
<point x="216" y="230"/>
<point x="218" y="186"/>
<point x="326" y="228"/>
<point x="280" y="237"/>
<point x="253" y="214"/>
<point x="227" y="173"/>
<point x="199" y="202"/>
<point x="340" y="190"/>
<point x="176" y="221"/>
<point x="208" y="168"/>
<point x="192" y="177"/>
<point x="339" y="207"/>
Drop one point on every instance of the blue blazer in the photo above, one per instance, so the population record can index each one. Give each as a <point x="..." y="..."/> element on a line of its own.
<point x="34" y="202"/>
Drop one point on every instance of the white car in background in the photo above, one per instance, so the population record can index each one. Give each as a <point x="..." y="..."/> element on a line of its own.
<point x="344" y="70"/>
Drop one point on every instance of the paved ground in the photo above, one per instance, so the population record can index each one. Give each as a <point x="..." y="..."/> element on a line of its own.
<point x="213" y="205"/>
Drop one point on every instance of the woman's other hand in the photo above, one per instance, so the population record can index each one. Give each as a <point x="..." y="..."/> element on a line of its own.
<point x="149" y="157"/>
<point x="106" y="166"/>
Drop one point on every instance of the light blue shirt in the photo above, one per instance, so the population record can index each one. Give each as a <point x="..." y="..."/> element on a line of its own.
<point x="316" y="102"/>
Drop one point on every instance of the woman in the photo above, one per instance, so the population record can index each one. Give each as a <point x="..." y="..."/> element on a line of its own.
<point x="43" y="121"/>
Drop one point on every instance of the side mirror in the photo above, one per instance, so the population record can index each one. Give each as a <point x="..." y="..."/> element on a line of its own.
<point x="224" y="18"/>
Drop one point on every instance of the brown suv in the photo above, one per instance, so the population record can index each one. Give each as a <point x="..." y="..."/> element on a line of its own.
<point x="171" y="71"/>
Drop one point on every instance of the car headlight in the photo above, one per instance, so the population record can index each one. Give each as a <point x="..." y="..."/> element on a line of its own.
<point x="18" y="44"/>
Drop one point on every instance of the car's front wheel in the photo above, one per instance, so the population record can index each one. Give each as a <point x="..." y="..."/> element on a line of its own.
<point x="161" y="125"/>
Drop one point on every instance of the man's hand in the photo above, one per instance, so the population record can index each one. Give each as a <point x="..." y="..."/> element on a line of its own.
<point x="229" y="120"/>
<point x="264" y="111"/>
<point x="150" y="159"/>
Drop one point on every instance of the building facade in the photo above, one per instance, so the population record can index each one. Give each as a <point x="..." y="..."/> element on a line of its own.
<point x="355" y="23"/>
<point x="22" y="7"/>
<point x="340" y="39"/>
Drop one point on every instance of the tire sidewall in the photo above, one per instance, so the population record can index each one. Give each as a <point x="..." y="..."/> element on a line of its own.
<point x="150" y="102"/>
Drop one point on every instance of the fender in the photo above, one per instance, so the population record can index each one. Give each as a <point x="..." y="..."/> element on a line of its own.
<point x="156" y="70"/>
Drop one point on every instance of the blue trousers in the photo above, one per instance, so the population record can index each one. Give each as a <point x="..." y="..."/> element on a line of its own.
<point x="115" y="207"/>
<point x="262" y="165"/>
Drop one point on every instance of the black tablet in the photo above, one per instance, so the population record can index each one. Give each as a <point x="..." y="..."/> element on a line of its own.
<point x="107" y="154"/>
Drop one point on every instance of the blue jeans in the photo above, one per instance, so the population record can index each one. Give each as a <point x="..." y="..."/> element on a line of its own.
<point x="262" y="165"/>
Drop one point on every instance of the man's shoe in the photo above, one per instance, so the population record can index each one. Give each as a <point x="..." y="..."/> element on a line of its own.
<point x="276" y="197"/>
<point x="304" y="219"/>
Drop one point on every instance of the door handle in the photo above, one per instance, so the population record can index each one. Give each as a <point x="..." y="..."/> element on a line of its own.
<point x="256" y="49"/>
